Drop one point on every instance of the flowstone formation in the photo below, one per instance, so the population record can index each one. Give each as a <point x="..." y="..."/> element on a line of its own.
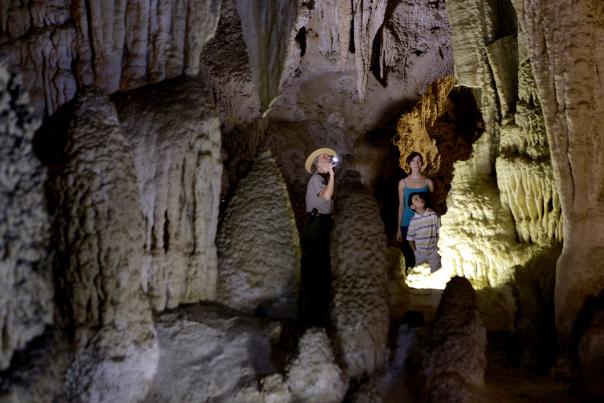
<point x="359" y="310"/>
<point x="258" y="245"/>
<point x="173" y="133"/>
<point x="26" y="287"/>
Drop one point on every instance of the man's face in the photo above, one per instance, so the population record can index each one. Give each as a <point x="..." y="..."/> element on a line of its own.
<point x="323" y="162"/>
<point x="417" y="202"/>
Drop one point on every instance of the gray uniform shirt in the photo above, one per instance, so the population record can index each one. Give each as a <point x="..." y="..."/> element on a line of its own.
<point x="315" y="184"/>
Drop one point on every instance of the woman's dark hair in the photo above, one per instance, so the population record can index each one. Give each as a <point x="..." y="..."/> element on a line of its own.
<point x="413" y="155"/>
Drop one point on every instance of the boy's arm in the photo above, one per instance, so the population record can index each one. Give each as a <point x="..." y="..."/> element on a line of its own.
<point x="411" y="235"/>
<point x="437" y="225"/>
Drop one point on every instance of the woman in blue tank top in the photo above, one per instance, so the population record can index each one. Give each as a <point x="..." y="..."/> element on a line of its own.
<point x="414" y="182"/>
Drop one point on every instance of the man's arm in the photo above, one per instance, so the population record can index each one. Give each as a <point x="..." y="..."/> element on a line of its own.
<point x="327" y="192"/>
<point x="412" y="244"/>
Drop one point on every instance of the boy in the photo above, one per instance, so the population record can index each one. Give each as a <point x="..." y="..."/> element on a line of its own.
<point x="423" y="232"/>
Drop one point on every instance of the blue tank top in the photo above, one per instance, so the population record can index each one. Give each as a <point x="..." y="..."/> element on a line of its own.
<point x="407" y="212"/>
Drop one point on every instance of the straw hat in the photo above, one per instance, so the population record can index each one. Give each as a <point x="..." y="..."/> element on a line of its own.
<point x="311" y="158"/>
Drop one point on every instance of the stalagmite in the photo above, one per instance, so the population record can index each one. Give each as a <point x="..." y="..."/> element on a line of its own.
<point x="358" y="263"/>
<point x="313" y="375"/>
<point x="258" y="245"/>
<point x="455" y="360"/>
<point x="100" y="259"/>
<point x="174" y="134"/>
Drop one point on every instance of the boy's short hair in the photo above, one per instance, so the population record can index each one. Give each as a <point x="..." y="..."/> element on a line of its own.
<point x="422" y="195"/>
<point x="413" y="155"/>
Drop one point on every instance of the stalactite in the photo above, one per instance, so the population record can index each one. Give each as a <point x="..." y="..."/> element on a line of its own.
<point x="368" y="17"/>
<point x="269" y="28"/>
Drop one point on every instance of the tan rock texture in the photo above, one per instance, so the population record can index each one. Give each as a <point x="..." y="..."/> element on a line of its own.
<point x="258" y="244"/>
<point x="455" y="362"/>
<point x="100" y="259"/>
<point x="64" y="45"/>
<point x="26" y="288"/>
<point x="359" y="309"/>
<point x="563" y="46"/>
<point x="173" y="132"/>
<point x="313" y="375"/>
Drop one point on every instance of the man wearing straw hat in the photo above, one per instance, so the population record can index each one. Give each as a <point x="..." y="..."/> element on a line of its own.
<point x="316" y="268"/>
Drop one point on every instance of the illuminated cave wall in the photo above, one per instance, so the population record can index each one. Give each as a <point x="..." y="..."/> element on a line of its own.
<point x="542" y="142"/>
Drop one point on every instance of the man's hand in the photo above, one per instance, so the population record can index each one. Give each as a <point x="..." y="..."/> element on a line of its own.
<point x="399" y="234"/>
<point x="330" y="169"/>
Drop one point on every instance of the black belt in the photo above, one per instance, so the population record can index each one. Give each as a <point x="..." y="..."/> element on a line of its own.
<point x="318" y="215"/>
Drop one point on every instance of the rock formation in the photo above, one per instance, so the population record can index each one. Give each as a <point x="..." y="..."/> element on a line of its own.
<point x="64" y="45"/>
<point x="225" y="67"/>
<point x="100" y="259"/>
<point x="188" y="367"/>
<point x="572" y="110"/>
<point x="313" y="376"/>
<point x="268" y="30"/>
<point x="359" y="309"/>
<point x="173" y="132"/>
<point x="258" y="245"/>
<point x="455" y="362"/>
<point x="26" y="286"/>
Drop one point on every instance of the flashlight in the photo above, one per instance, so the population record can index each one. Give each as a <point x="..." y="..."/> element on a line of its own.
<point x="334" y="160"/>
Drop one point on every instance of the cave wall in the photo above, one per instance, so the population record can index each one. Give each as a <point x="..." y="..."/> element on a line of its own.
<point x="535" y="67"/>
<point x="569" y="88"/>
<point x="26" y="285"/>
<point x="62" y="46"/>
